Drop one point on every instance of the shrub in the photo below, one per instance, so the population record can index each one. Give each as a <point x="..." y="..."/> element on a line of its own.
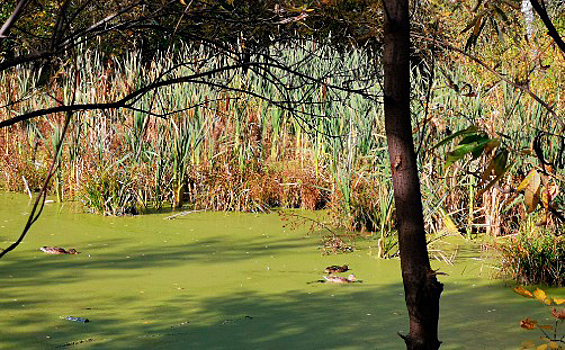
<point x="535" y="257"/>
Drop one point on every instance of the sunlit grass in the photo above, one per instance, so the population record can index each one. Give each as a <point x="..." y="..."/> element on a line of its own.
<point x="222" y="149"/>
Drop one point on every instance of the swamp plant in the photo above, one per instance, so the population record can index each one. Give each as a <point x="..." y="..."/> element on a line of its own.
<point x="213" y="147"/>
<point x="534" y="257"/>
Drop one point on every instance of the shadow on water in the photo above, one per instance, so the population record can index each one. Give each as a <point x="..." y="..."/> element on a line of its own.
<point x="214" y="250"/>
<point x="320" y="317"/>
<point x="339" y="317"/>
<point x="216" y="281"/>
<point x="474" y="315"/>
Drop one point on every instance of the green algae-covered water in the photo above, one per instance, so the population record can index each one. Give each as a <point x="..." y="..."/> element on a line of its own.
<point x="224" y="281"/>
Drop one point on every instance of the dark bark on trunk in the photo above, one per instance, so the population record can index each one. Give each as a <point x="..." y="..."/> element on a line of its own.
<point x="421" y="288"/>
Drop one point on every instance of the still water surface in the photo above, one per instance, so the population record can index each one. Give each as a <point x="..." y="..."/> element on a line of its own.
<point x="224" y="281"/>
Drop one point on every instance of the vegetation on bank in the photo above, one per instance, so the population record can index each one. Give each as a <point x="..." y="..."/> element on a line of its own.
<point x="534" y="256"/>
<point x="223" y="149"/>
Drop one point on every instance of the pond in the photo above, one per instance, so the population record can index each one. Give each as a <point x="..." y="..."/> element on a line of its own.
<point x="225" y="281"/>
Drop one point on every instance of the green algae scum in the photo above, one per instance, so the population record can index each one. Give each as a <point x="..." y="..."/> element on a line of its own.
<point x="224" y="281"/>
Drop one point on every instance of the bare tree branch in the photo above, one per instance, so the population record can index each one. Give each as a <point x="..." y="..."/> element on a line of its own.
<point x="12" y="19"/>
<point x="551" y="30"/>
<point x="128" y="100"/>
<point x="523" y="88"/>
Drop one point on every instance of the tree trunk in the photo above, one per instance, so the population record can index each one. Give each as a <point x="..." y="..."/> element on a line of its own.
<point x="421" y="288"/>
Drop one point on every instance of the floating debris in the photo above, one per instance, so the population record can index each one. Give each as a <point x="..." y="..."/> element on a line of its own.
<point x="335" y="244"/>
<point x="76" y="319"/>
<point x="75" y="342"/>
<point x="184" y="213"/>
<point x="231" y="320"/>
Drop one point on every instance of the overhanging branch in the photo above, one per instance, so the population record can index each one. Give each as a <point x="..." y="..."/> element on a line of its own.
<point x="525" y="89"/>
<point x="551" y="30"/>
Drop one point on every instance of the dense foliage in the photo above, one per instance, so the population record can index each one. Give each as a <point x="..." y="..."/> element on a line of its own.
<point x="208" y="144"/>
<point x="534" y="258"/>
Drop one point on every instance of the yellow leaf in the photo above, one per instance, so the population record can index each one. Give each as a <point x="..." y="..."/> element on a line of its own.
<point x="553" y="345"/>
<point x="532" y="198"/>
<point x="559" y="301"/>
<point x="547" y="301"/>
<point x="544" y="201"/>
<point x="543" y="220"/>
<point x="532" y="175"/>
<point x="542" y="347"/>
<point x="540" y="294"/>
<point x="523" y="292"/>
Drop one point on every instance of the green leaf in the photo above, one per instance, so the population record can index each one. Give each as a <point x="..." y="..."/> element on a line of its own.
<point x="480" y="148"/>
<point x="493" y="144"/>
<point x="474" y="144"/>
<point x="473" y="138"/>
<point x="470" y="130"/>
<point x="480" y="140"/>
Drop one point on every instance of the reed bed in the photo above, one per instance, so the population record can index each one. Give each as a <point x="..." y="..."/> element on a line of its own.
<point x="534" y="256"/>
<point x="214" y="147"/>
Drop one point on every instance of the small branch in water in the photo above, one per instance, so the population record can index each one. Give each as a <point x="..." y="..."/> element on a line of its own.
<point x="27" y="187"/>
<point x="75" y="342"/>
<point x="305" y="218"/>
<point x="184" y="213"/>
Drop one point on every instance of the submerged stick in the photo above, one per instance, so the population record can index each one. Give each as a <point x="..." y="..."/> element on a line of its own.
<point x="184" y="213"/>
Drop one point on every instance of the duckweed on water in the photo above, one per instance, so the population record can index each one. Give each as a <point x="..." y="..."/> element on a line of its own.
<point x="190" y="283"/>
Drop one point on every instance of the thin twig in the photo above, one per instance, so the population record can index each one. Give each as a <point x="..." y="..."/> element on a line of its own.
<point x="499" y="75"/>
<point x="40" y="200"/>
